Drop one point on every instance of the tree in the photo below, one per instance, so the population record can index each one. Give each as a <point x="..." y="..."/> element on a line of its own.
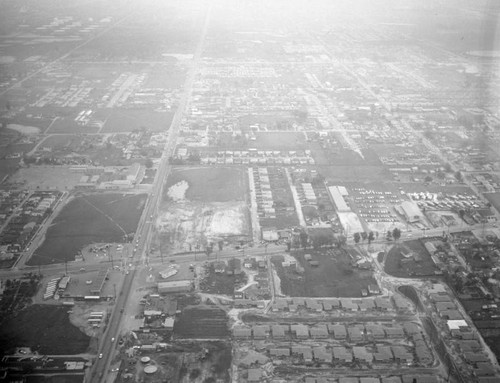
<point x="428" y="179"/>
<point x="303" y="239"/>
<point x="371" y="237"/>
<point x="321" y="239"/>
<point x="364" y="236"/>
<point x="341" y="240"/>
<point x="221" y="245"/>
<point x="149" y="163"/>
<point x="396" y="233"/>
<point x="357" y="237"/>
<point x="458" y="176"/>
<point x="318" y="179"/>
<point x="209" y="250"/>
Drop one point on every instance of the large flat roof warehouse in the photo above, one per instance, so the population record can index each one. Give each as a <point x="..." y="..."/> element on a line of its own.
<point x="338" y="199"/>
<point x="174" y="286"/>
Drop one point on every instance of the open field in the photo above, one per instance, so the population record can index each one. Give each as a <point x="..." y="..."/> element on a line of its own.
<point x="334" y="277"/>
<point x="208" y="184"/>
<point x="334" y="173"/>
<point x="201" y="321"/>
<point x="127" y="120"/>
<point x="89" y="219"/>
<point x="418" y="261"/>
<point x="8" y="167"/>
<point x="67" y="124"/>
<point x="46" y="178"/>
<point x="279" y="141"/>
<point x="494" y="199"/>
<point x="45" y="329"/>
<point x="203" y="205"/>
<point x="114" y="121"/>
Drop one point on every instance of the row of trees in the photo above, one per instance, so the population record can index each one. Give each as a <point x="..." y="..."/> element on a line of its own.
<point x="363" y="236"/>
<point x="316" y="240"/>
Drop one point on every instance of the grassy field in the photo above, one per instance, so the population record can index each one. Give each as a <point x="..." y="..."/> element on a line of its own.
<point x="46" y="177"/>
<point x="335" y="173"/>
<point x="69" y="125"/>
<point x="420" y="266"/>
<point x="88" y="219"/>
<point x="45" y="329"/>
<point x="127" y="120"/>
<point x="208" y="184"/>
<point x="334" y="277"/>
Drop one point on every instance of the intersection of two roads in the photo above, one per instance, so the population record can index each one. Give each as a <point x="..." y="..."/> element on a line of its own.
<point x="142" y="239"/>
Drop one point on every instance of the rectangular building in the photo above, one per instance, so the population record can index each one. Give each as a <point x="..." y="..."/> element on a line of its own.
<point x="174" y="286"/>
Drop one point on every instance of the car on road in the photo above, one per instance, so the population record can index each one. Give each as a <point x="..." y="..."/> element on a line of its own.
<point x="112" y="339"/>
<point x="100" y="355"/>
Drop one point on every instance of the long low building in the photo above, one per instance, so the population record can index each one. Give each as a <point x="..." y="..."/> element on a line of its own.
<point x="336" y="194"/>
<point x="175" y="286"/>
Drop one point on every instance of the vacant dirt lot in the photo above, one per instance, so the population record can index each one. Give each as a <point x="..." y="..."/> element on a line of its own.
<point x="203" y="205"/>
<point x="333" y="277"/>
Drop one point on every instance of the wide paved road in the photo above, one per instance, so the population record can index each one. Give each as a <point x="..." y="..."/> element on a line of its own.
<point x="146" y="223"/>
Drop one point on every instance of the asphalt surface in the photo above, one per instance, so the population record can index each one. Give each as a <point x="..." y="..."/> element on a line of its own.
<point x="144" y="232"/>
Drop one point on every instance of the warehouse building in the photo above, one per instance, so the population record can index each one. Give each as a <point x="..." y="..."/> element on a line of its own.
<point x="174" y="286"/>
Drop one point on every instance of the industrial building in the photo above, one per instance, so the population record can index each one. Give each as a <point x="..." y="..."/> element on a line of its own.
<point x="338" y="199"/>
<point x="174" y="286"/>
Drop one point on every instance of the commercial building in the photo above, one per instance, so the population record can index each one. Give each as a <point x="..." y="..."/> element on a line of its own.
<point x="411" y="211"/>
<point x="174" y="286"/>
<point x="338" y="199"/>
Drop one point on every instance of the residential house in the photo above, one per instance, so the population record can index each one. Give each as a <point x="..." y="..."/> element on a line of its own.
<point x="383" y="354"/>
<point x="355" y="333"/>
<point x="301" y="331"/>
<point x="401" y="354"/>
<point x="240" y="332"/>
<point x="260" y="331"/>
<point x="322" y="355"/>
<point x="394" y="332"/>
<point x="280" y="352"/>
<point x="341" y="354"/>
<point x="374" y="331"/>
<point x="362" y="354"/>
<point x="383" y="304"/>
<point x="278" y="331"/>
<point x="319" y="332"/>
<point x="304" y="352"/>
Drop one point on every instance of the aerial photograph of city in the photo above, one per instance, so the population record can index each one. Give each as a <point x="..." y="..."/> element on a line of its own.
<point x="233" y="191"/>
